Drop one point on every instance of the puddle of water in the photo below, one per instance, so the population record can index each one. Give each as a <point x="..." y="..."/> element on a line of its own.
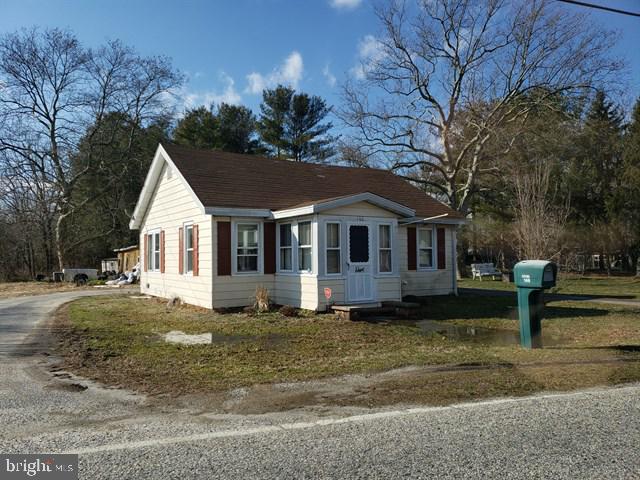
<point x="488" y="336"/>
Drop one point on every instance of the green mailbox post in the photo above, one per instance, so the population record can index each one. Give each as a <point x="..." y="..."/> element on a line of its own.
<point x="531" y="278"/>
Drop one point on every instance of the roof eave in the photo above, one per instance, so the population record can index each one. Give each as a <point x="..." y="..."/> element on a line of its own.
<point x="322" y="206"/>
<point x="150" y="182"/>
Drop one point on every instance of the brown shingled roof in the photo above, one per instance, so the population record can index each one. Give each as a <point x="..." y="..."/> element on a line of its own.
<point x="222" y="179"/>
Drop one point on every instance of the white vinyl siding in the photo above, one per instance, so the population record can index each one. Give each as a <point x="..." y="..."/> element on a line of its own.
<point x="171" y="205"/>
<point x="426" y="281"/>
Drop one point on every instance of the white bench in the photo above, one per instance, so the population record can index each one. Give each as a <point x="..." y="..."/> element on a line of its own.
<point x="484" y="270"/>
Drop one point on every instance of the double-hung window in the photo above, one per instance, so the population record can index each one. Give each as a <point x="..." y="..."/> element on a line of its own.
<point x="247" y="247"/>
<point x="153" y="249"/>
<point x="286" y="248"/>
<point x="188" y="248"/>
<point x="384" y="249"/>
<point x="425" y="248"/>
<point x="333" y="248"/>
<point x="304" y="247"/>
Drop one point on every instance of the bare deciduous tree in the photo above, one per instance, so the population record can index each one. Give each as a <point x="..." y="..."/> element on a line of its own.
<point x="446" y="75"/>
<point x="540" y="220"/>
<point x="55" y="101"/>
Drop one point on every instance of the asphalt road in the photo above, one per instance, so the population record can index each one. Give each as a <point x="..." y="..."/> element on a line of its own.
<point x="592" y="434"/>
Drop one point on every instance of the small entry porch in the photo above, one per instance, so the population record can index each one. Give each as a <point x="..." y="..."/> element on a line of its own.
<point x="363" y="310"/>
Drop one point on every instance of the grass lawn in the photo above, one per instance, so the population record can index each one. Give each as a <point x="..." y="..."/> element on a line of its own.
<point x="628" y="287"/>
<point x="118" y="341"/>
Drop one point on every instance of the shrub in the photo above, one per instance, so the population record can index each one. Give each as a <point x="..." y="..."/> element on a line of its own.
<point x="261" y="299"/>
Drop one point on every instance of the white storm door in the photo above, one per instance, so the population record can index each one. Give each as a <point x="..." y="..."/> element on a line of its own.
<point x="359" y="265"/>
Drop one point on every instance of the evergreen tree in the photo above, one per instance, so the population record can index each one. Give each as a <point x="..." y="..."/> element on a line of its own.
<point x="594" y="173"/>
<point x="230" y="128"/>
<point x="272" y="125"/>
<point x="624" y="203"/>
<point x="197" y="129"/>
<point x="236" y="129"/>
<point x="306" y="136"/>
<point x="291" y="125"/>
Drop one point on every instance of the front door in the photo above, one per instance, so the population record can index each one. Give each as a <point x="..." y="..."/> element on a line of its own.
<point x="359" y="271"/>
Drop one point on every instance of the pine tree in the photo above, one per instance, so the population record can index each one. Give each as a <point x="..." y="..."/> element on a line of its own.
<point x="272" y="125"/>
<point x="291" y="125"/>
<point x="197" y="129"/>
<point x="230" y="128"/>
<point x="307" y="136"/>
<point x="595" y="170"/>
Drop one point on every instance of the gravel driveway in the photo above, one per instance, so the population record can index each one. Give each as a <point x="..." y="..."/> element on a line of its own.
<point x="592" y="434"/>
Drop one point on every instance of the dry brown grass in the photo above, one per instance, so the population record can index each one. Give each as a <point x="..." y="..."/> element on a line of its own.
<point x="24" y="289"/>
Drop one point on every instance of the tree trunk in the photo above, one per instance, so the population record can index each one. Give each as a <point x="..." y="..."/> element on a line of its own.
<point x="59" y="246"/>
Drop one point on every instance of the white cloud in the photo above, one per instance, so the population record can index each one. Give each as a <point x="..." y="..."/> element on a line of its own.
<point x="345" y="4"/>
<point x="289" y="73"/>
<point x="195" y="98"/>
<point x="330" y="77"/>
<point x="370" y="51"/>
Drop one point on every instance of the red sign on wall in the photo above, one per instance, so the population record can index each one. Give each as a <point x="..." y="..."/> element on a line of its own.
<point x="327" y="293"/>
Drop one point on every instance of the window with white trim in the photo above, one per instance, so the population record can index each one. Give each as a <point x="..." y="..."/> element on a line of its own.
<point x="425" y="248"/>
<point x="304" y="247"/>
<point x="384" y="249"/>
<point x="286" y="248"/>
<point x="188" y="248"/>
<point x="247" y="247"/>
<point x="153" y="249"/>
<point x="333" y="248"/>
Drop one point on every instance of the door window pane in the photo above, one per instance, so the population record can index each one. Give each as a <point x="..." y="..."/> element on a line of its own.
<point x="359" y="243"/>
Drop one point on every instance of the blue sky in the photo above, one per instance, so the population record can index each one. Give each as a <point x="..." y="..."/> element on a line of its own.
<point x="231" y="49"/>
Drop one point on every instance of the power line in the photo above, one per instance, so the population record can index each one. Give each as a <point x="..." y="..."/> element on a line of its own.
<point x="601" y="7"/>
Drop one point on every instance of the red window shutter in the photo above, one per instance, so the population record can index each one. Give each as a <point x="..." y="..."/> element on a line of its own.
<point x="442" y="255"/>
<point x="224" y="248"/>
<point x="412" y="249"/>
<point x="145" y="251"/>
<point x="181" y="250"/>
<point x="161" y="251"/>
<point x="196" y="249"/>
<point x="269" y="247"/>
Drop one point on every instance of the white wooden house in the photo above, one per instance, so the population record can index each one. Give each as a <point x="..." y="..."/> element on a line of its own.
<point x="215" y="225"/>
